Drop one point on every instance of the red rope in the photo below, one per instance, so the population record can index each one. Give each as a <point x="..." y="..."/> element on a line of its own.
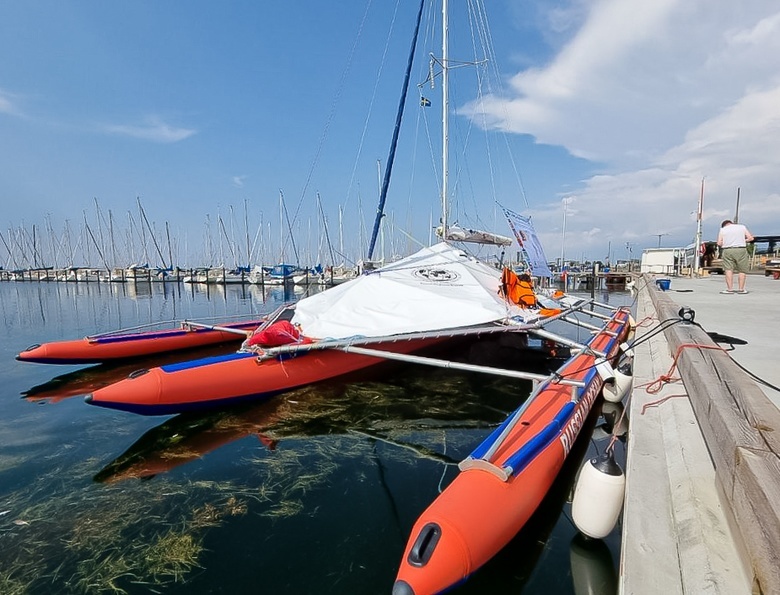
<point x="659" y="401"/>
<point x="646" y="321"/>
<point x="656" y="385"/>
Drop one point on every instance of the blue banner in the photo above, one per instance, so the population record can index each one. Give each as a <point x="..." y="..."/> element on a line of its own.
<point x="525" y="235"/>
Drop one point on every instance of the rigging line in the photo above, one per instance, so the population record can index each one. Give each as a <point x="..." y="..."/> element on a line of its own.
<point x="410" y="237"/>
<point x="332" y="112"/>
<point x="371" y="102"/>
<point x="429" y="40"/>
<point x="421" y="119"/>
<point x="291" y="237"/>
<point x="396" y="131"/>
<point x="490" y="51"/>
<point x="327" y="235"/>
<point x="477" y="63"/>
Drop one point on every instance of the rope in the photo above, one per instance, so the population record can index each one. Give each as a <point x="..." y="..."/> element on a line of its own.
<point x="611" y="445"/>
<point x="660" y="401"/>
<point x="646" y="321"/>
<point x="655" y="386"/>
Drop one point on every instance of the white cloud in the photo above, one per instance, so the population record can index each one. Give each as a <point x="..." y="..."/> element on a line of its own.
<point x="8" y="104"/>
<point x="153" y="129"/>
<point x="662" y="94"/>
<point x="239" y="181"/>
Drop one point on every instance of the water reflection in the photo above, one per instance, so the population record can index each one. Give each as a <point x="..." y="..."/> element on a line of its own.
<point x="70" y="310"/>
<point x="592" y="567"/>
<point x="370" y="410"/>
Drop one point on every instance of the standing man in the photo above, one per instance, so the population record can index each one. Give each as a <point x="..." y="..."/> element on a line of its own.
<point x="733" y="239"/>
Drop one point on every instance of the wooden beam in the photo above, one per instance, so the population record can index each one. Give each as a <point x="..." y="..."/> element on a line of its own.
<point x="741" y="427"/>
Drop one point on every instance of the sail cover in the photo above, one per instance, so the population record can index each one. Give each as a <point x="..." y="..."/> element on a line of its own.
<point x="460" y="234"/>
<point x="525" y="234"/>
<point x="437" y="288"/>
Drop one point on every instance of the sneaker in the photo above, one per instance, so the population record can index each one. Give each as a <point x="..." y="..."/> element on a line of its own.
<point x="741" y="291"/>
<point x="727" y="291"/>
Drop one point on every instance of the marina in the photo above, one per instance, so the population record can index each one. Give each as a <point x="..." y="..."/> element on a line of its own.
<point x="320" y="485"/>
<point x="298" y="399"/>
<point x="692" y="417"/>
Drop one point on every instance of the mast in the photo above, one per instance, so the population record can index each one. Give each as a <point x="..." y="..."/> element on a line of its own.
<point x="113" y="244"/>
<point x="246" y="234"/>
<point x="394" y="141"/>
<point x="281" y="227"/>
<point x="445" y="109"/>
<point x="170" y="252"/>
<point x="736" y="212"/>
<point x="697" y="242"/>
<point x="151" y="233"/>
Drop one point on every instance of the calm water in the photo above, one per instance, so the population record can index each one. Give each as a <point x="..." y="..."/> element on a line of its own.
<point x="314" y="491"/>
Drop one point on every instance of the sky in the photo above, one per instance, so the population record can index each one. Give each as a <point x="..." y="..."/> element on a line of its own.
<point x="260" y="130"/>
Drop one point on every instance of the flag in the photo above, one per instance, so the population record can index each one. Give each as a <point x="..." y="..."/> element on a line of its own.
<point x="525" y="234"/>
<point x="425" y="102"/>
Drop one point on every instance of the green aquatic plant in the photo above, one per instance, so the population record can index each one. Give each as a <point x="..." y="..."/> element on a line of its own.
<point x="15" y="581"/>
<point x="284" y="508"/>
<point x="101" y="573"/>
<point x="172" y="556"/>
<point x="106" y="540"/>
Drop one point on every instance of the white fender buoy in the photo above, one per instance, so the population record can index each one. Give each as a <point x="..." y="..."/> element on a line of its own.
<point x="615" y="419"/>
<point x="601" y="432"/>
<point x="617" y="387"/>
<point x="598" y="496"/>
<point x="592" y="567"/>
<point x="631" y="328"/>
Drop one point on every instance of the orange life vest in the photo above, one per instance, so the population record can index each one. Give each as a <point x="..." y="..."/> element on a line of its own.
<point x="516" y="290"/>
<point x="521" y="292"/>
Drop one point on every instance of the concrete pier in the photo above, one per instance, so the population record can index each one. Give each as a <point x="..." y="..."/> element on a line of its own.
<point x="702" y="503"/>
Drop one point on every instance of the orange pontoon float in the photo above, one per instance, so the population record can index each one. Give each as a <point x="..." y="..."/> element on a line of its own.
<point x="504" y="480"/>
<point x="242" y="376"/>
<point x="121" y="345"/>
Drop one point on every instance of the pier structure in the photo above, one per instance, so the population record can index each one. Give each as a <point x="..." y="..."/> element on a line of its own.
<point x="702" y="507"/>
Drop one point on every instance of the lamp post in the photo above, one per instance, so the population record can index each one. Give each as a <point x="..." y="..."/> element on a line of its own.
<point x="660" y="235"/>
<point x="629" y="250"/>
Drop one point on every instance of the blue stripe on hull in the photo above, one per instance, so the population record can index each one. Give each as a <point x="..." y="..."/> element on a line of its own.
<point x="546" y="436"/>
<point x="176" y="408"/>
<point x="205" y="361"/>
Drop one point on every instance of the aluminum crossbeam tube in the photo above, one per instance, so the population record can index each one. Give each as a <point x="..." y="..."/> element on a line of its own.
<point x="443" y="363"/>
<point x="564" y="341"/>
<point x="214" y="327"/>
<point x="585" y="325"/>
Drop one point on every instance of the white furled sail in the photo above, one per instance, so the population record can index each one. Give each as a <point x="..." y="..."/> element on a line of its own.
<point x="456" y="233"/>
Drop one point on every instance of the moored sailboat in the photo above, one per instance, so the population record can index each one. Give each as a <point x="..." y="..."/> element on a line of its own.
<point x="434" y="295"/>
<point x="437" y="294"/>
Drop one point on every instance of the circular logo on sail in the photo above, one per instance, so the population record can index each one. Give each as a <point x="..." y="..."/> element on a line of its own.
<point x="437" y="274"/>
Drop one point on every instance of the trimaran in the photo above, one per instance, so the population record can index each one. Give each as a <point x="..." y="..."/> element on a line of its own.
<point x="435" y="295"/>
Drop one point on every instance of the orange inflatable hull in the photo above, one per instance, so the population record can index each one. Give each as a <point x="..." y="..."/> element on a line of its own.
<point x="236" y="377"/>
<point x="93" y="350"/>
<point x="490" y="500"/>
